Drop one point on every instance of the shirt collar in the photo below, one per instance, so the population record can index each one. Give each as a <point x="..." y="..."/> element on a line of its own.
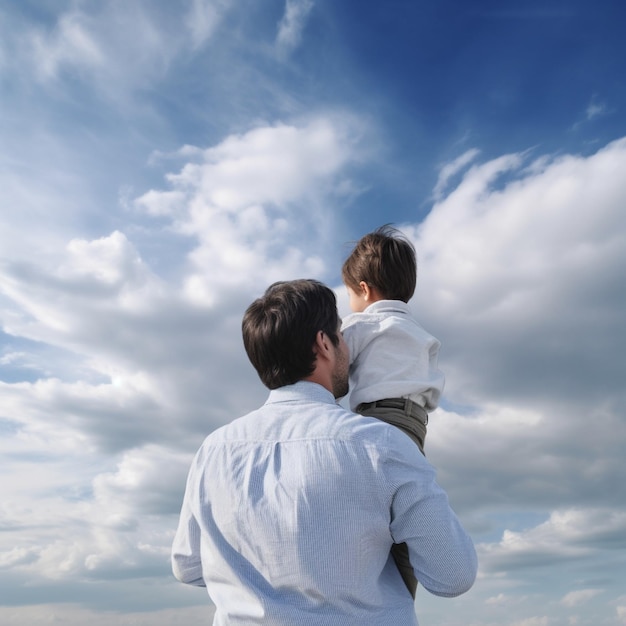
<point x="388" y="305"/>
<point x="302" y="390"/>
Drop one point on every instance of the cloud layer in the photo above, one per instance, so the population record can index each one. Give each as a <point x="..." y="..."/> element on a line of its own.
<point x="162" y="164"/>
<point x="508" y="260"/>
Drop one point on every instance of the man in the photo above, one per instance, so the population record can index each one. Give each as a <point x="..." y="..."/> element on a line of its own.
<point x="290" y="511"/>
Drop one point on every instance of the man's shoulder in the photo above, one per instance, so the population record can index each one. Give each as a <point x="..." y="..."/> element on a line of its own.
<point x="299" y="421"/>
<point x="330" y="434"/>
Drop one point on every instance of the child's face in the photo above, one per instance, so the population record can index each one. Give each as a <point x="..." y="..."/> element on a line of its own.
<point x="358" y="300"/>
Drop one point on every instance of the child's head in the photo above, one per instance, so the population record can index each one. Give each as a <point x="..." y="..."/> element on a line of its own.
<point x="384" y="263"/>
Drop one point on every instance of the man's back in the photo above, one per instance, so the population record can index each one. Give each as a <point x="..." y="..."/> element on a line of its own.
<point x="290" y="513"/>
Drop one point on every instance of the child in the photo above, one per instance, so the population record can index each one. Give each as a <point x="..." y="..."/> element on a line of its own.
<point x="393" y="360"/>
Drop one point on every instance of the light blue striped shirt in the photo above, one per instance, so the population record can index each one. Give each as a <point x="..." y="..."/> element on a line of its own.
<point x="290" y="512"/>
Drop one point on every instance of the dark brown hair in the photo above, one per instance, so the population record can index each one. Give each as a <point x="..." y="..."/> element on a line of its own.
<point x="280" y="328"/>
<point x="384" y="259"/>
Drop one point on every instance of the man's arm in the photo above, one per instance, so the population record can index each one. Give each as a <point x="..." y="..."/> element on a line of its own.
<point x="186" y="562"/>
<point x="440" y="550"/>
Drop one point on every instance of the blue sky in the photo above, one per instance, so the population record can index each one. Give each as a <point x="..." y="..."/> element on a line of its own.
<point x="163" y="162"/>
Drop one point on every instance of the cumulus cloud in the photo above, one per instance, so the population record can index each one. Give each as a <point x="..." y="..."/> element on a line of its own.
<point x="519" y="276"/>
<point x="137" y="340"/>
<point x="566" y="535"/>
<point x="249" y="196"/>
<point x="138" y="484"/>
<point x="155" y="364"/>
<point x="114" y="527"/>
<point x="533" y="254"/>
<point x="105" y="274"/>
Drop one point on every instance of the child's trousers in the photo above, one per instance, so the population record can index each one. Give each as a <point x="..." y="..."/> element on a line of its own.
<point x="412" y="419"/>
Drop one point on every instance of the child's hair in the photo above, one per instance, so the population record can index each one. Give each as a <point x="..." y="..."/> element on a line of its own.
<point x="384" y="259"/>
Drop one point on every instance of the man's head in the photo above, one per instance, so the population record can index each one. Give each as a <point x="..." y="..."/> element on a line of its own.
<point x="385" y="261"/>
<point x="288" y="329"/>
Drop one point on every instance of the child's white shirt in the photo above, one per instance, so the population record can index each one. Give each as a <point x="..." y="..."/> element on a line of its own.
<point x="391" y="356"/>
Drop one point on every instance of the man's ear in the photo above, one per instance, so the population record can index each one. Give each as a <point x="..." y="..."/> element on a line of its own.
<point x="322" y="344"/>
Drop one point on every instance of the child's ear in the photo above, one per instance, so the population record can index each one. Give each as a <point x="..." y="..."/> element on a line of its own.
<point x="366" y="292"/>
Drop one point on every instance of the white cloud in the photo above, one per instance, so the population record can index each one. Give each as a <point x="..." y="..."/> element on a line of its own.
<point x="157" y="203"/>
<point x="519" y="264"/>
<point x="70" y="44"/>
<point x="160" y="356"/>
<point x="118" y="526"/>
<point x="521" y="259"/>
<point x="118" y="48"/>
<point x="508" y="438"/>
<point x="91" y="44"/>
<point x="581" y="596"/>
<point x="449" y="170"/>
<point x="103" y="275"/>
<point x="532" y="621"/>
<point x="108" y="261"/>
<point x="203" y="19"/>
<point x="43" y="189"/>
<point x="73" y="615"/>
<point x="566" y="535"/>
<point x="138" y="485"/>
<point x="17" y="556"/>
<point x="520" y="276"/>
<point x="292" y="24"/>
<point x="123" y="347"/>
<point x="596" y="109"/>
<point x="500" y="599"/>
<point x="251" y="195"/>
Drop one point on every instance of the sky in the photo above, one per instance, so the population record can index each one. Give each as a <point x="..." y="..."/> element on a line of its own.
<point x="163" y="162"/>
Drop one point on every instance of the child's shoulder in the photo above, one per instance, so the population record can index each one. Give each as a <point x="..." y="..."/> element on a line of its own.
<point x="376" y="314"/>
<point x="353" y="319"/>
<point x="378" y="310"/>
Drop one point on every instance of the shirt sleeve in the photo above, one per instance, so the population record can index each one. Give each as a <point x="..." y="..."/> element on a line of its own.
<point x="440" y="550"/>
<point x="186" y="561"/>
